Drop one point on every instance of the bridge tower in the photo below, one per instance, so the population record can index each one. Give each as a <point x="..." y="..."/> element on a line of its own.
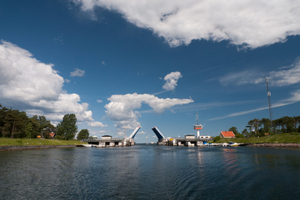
<point x="198" y="127"/>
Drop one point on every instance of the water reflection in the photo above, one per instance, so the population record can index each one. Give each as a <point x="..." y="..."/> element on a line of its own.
<point x="150" y="172"/>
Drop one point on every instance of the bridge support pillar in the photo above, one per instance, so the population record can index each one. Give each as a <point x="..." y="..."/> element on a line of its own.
<point x="101" y="144"/>
<point x="199" y="143"/>
<point x="111" y="144"/>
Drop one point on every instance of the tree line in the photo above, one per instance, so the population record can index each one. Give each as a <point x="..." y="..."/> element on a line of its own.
<point x="263" y="127"/>
<point x="16" y="124"/>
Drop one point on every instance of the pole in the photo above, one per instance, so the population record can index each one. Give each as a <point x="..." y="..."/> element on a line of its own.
<point x="269" y="100"/>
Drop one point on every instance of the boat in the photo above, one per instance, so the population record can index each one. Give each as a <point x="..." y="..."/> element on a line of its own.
<point x="87" y="145"/>
<point x="234" y="144"/>
<point x="224" y="144"/>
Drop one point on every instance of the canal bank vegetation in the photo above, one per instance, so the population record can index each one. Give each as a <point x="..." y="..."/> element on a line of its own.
<point x="278" y="138"/>
<point x="283" y="130"/>
<point x="36" y="142"/>
<point x="16" y="124"/>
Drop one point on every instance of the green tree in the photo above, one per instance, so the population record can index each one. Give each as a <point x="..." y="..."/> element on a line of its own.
<point x="288" y="124"/>
<point x="267" y="125"/>
<point x="67" y="128"/>
<point x="234" y="130"/>
<point x="83" y="134"/>
<point x="28" y="130"/>
<point x="3" y="112"/>
<point x="254" y="123"/>
<point x="14" y="124"/>
<point x="35" y="130"/>
<point x="246" y="133"/>
<point x="217" y="138"/>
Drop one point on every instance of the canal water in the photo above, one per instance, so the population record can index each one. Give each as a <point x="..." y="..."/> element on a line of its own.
<point x="151" y="172"/>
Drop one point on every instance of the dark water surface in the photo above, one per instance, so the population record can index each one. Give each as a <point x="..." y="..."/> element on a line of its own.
<point x="151" y="172"/>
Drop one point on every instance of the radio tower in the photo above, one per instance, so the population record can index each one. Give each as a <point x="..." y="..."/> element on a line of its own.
<point x="197" y="127"/>
<point x="269" y="99"/>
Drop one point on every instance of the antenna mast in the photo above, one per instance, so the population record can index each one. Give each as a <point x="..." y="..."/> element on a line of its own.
<point x="269" y="99"/>
<point x="197" y="127"/>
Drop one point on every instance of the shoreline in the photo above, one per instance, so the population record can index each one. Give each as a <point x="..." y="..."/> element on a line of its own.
<point x="13" y="148"/>
<point x="286" y="145"/>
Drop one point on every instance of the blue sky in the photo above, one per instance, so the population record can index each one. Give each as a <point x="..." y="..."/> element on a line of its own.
<point x="120" y="64"/>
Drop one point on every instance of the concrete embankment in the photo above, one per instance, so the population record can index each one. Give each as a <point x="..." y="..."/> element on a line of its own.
<point x="286" y="145"/>
<point x="11" y="148"/>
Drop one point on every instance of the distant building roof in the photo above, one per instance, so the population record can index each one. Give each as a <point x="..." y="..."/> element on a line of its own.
<point x="106" y="136"/>
<point x="227" y="134"/>
<point x="52" y="134"/>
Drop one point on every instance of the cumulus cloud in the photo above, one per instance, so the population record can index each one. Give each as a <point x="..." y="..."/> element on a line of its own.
<point x="282" y="77"/>
<point x="77" y="72"/>
<point x="96" y="124"/>
<point x="36" y="86"/>
<point x="287" y="76"/>
<point x="122" y="108"/>
<point x="171" y="80"/>
<point x="67" y="81"/>
<point x="24" y="78"/>
<point x="250" y="23"/>
<point x="99" y="101"/>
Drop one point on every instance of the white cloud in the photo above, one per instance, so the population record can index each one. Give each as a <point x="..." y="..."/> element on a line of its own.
<point x="77" y="72"/>
<point x="99" y="101"/>
<point x="293" y="99"/>
<point x="171" y="80"/>
<point x="23" y="78"/>
<point x="103" y="63"/>
<point x="253" y="23"/>
<point x="96" y="124"/>
<point x="120" y="133"/>
<point x="36" y="86"/>
<point x="64" y="104"/>
<point x="285" y="77"/>
<point x="67" y="80"/>
<point x="240" y="78"/>
<point x="102" y="131"/>
<point x="282" y="77"/>
<point x="141" y="132"/>
<point x="122" y="107"/>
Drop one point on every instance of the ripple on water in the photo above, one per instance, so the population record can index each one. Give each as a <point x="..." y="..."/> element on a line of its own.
<point x="150" y="172"/>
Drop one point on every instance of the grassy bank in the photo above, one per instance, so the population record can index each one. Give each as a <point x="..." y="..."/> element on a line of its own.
<point x="279" y="138"/>
<point x="36" y="142"/>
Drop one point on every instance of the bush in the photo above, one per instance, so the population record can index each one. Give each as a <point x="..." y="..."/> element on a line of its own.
<point x="217" y="138"/>
<point x="59" y="137"/>
<point x="294" y="133"/>
<point x="238" y="135"/>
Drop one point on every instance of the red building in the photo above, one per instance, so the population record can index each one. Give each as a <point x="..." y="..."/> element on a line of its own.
<point x="227" y="134"/>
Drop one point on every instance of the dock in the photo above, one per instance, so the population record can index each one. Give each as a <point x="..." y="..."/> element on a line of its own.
<point x="108" y="141"/>
<point x="188" y="140"/>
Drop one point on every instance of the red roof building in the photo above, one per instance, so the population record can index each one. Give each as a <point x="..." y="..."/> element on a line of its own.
<point x="52" y="135"/>
<point x="227" y="134"/>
